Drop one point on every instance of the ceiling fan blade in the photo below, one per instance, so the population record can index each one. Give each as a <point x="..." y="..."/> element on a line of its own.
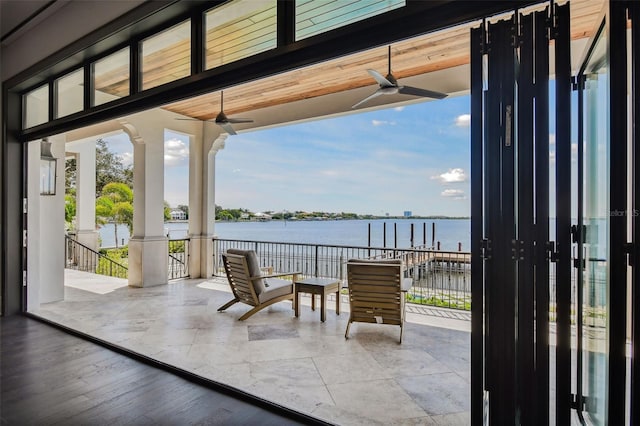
<point x="227" y="127"/>
<point x="408" y="90"/>
<point x="368" y="98"/>
<point x="190" y="119"/>
<point x="382" y="81"/>
<point x="239" y="120"/>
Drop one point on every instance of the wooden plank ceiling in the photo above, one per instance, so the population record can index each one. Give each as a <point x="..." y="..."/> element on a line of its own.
<point x="420" y="55"/>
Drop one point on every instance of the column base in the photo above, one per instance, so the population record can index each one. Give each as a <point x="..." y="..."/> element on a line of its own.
<point x="148" y="261"/>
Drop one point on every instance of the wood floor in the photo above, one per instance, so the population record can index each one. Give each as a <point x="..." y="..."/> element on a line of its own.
<point x="50" y="377"/>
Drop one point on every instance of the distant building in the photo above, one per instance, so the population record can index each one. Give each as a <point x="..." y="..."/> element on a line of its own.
<point x="407" y="213"/>
<point x="178" y="215"/>
<point x="262" y="216"/>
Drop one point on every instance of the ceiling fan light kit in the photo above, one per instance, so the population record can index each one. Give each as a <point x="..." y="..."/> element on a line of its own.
<point x="389" y="86"/>
<point x="222" y="120"/>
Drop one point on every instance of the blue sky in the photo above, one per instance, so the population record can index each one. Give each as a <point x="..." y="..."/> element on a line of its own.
<point x="407" y="158"/>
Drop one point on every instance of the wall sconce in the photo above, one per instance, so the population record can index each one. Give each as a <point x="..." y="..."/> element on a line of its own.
<point x="48" y="168"/>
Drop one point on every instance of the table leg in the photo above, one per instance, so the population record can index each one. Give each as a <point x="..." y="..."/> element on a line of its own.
<point x="297" y="303"/>
<point x="313" y="302"/>
<point x="323" y="307"/>
<point x="338" y="302"/>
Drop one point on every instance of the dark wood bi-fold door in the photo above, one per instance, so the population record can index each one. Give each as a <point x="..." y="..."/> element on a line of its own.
<point x="510" y="228"/>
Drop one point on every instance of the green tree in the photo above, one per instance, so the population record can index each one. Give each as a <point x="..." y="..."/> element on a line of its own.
<point x="69" y="207"/>
<point x="224" y="215"/>
<point x="109" y="168"/>
<point x="167" y="211"/>
<point x="70" y="174"/>
<point x="115" y="205"/>
<point x="185" y="209"/>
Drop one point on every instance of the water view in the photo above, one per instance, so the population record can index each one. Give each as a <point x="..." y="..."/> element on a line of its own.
<point x="449" y="232"/>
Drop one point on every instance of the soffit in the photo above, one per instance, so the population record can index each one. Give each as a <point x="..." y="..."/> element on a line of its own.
<point x="442" y="50"/>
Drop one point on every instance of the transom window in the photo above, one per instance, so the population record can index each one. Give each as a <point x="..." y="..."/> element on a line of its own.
<point x="238" y="30"/>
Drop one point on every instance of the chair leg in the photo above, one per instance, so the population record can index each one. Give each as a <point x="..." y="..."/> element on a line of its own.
<point x="226" y="305"/>
<point x="251" y="312"/>
<point x="401" y="331"/>
<point x="346" y="334"/>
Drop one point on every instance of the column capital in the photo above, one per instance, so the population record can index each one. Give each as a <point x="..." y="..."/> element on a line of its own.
<point x="218" y="144"/>
<point x="132" y="131"/>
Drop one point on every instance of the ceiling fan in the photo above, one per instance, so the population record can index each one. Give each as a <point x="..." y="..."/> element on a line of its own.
<point x="223" y="121"/>
<point x="389" y="86"/>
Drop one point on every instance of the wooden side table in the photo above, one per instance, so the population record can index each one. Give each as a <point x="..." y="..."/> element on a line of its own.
<point x="321" y="287"/>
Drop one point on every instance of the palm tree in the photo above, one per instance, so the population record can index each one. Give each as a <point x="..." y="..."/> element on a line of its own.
<point x="116" y="205"/>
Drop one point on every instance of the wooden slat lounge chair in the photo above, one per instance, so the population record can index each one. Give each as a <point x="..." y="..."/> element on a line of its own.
<point x="250" y="286"/>
<point x="376" y="292"/>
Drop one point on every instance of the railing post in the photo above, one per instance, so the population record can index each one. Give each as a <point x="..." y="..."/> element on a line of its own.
<point x="316" y="263"/>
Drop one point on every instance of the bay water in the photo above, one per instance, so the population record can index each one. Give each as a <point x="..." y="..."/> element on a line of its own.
<point x="449" y="232"/>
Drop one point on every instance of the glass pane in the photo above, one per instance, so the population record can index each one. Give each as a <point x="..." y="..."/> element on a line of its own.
<point x="315" y="17"/>
<point x="48" y="177"/>
<point x="36" y="106"/>
<point x="111" y="77"/>
<point x="167" y="56"/>
<point x="596" y="220"/>
<point x="69" y="93"/>
<point x="238" y="30"/>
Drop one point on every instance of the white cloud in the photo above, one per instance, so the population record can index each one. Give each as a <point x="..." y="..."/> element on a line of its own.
<point x="400" y="108"/>
<point x="377" y="123"/>
<point x="176" y="152"/>
<point x="463" y="120"/>
<point x="126" y="158"/>
<point x="552" y="138"/>
<point x="452" y="176"/>
<point x="456" y="194"/>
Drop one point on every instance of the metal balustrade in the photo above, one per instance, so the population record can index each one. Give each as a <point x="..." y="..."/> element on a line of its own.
<point x="178" y="258"/>
<point x="440" y="278"/>
<point x="82" y="258"/>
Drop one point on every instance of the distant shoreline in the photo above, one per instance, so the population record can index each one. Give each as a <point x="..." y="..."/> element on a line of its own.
<point x="329" y="219"/>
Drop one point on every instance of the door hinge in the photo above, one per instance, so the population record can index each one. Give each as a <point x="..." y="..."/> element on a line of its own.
<point x="577" y="83"/>
<point x="24" y="238"/>
<point x="24" y="205"/>
<point x="578" y="402"/>
<point x="24" y="278"/>
<point x="486" y="248"/>
<point x="517" y="250"/>
<point x="630" y="250"/>
<point x="578" y="233"/>
<point x="552" y="253"/>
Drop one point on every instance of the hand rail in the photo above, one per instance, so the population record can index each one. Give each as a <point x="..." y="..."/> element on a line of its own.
<point x="82" y="258"/>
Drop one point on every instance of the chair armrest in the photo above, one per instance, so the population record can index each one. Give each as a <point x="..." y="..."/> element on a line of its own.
<point x="282" y="274"/>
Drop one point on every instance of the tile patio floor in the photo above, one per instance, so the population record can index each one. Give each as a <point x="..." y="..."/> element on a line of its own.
<point x="300" y="363"/>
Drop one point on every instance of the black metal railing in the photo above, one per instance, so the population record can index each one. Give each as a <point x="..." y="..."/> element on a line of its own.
<point x="440" y="278"/>
<point x="82" y="258"/>
<point x="178" y="258"/>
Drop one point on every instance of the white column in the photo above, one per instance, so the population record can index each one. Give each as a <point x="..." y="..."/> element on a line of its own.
<point x="209" y="201"/>
<point x="85" y="153"/>
<point x="45" y="233"/>
<point x="195" y="205"/>
<point x="148" y="248"/>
